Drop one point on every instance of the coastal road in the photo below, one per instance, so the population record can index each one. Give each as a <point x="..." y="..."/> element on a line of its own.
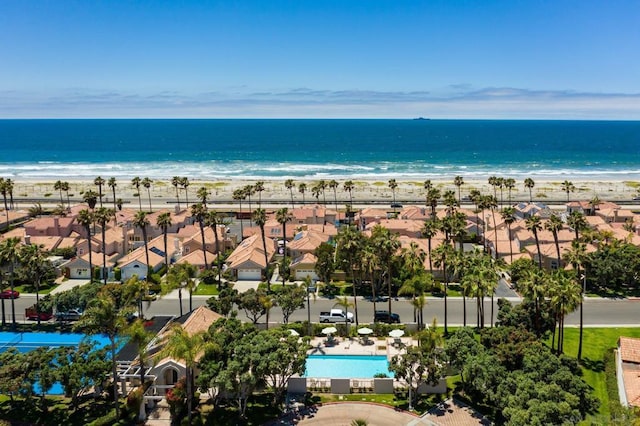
<point x="597" y="312"/>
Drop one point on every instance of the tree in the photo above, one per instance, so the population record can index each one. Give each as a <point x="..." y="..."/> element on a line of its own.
<point x="386" y="245"/>
<point x="215" y="220"/>
<point x="199" y="213"/>
<point x="577" y="222"/>
<point x="239" y="195"/>
<point x="281" y="356"/>
<point x="393" y="185"/>
<point x="249" y="190"/>
<point x="433" y="194"/>
<point x="250" y="302"/>
<point x="554" y="225"/>
<point x="184" y="182"/>
<point x="103" y="317"/>
<point x="302" y="188"/>
<point x="510" y="184"/>
<point x="140" y="221"/>
<point x="223" y="304"/>
<point x="577" y="257"/>
<point x="181" y="345"/>
<point x="140" y="337"/>
<point x="458" y="181"/>
<point x="203" y="195"/>
<point x="290" y="298"/>
<point x="86" y="219"/>
<point x="175" y="182"/>
<point x="36" y="265"/>
<point x="102" y="216"/>
<point x="146" y="182"/>
<point x="65" y="188"/>
<point x="258" y="188"/>
<point x="259" y="217"/>
<point x="283" y="216"/>
<point x="333" y="184"/>
<point x="565" y="296"/>
<point x="99" y="182"/>
<point x="349" y="247"/>
<point x="112" y="184"/>
<point x="567" y="186"/>
<point x="58" y="187"/>
<point x="442" y="255"/>
<point x="136" y="182"/>
<point x="10" y="252"/>
<point x="91" y="198"/>
<point x="349" y="186"/>
<point x="164" y="222"/>
<point x="344" y="303"/>
<point x="508" y="216"/>
<point x="430" y="229"/>
<point x="289" y="184"/>
<point x="529" y="184"/>
<point x="533" y="225"/>
<point x="325" y="264"/>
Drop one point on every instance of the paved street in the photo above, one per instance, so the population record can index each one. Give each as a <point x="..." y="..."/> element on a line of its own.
<point x="597" y="312"/>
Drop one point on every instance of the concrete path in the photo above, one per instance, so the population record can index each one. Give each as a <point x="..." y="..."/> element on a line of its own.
<point x="342" y="414"/>
<point x="68" y="285"/>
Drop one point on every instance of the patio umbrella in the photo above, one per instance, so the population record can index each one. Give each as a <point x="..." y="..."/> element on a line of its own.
<point x="396" y="333"/>
<point x="365" y="330"/>
<point x="293" y="332"/>
<point x="329" y="330"/>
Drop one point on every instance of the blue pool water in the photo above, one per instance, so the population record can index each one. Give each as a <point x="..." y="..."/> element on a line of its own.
<point x="347" y="366"/>
<point x="25" y="342"/>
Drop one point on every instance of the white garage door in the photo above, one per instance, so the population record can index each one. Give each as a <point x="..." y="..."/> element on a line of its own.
<point x="249" y="274"/>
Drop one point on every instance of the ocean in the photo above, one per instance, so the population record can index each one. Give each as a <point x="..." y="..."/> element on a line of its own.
<point x="271" y="149"/>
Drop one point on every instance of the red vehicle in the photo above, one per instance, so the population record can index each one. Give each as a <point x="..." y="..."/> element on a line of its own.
<point x="31" y="313"/>
<point x="9" y="294"/>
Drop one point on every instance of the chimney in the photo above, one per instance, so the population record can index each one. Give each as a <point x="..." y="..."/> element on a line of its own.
<point x="176" y="243"/>
<point x="177" y="209"/>
<point x="27" y="239"/>
<point x="56" y="225"/>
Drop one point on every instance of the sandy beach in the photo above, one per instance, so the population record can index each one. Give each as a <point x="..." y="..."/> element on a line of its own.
<point x="26" y="193"/>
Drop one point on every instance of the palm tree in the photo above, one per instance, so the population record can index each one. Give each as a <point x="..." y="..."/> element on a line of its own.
<point x="258" y="187"/>
<point x="349" y="186"/>
<point x="140" y="337"/>
<point x="510" y="184"/>
<point x="577" y="221"/>
<point x="32" y="258"/>
<point x="495" y="182"/>
<point x="413" y="263"/>
<point x="393" y="185"/>
<point x="283" y="216"/>
<point x="214" y="220"/>
<point x="565" y="297"/>
<point x="509" y="218"/>
<point x="333" y="184"/>
<point x="239" y="195"/>
<point x="567" y="186"/>
<point x="58" y="187"/>
<point x="65" y="188"/>
<point x="175" y="182"/>
<point x="386" y="245"/>
<point x="316" y="191"/>
<point x="10" y="252"/>
<point x="260" y="218"/>
<point x="554" y="224"/>
<point x="322" y="184"/>
<point x="449" y="198"/>
<point x="99" y="182"/>
<point x="199" y="212"/>
<point x="176" y="278"/>
<point x="112" y="184"/>
<point x="203" y="194"/>
<point x="491" y="203"/>
<point x="290" y="185"/>
<point x="104" y="317"/>
<point x="140" y="220"/>
<point x="181" y="345"/>
<point x="302" y="188"/>
<point x="146" y="182"/>
<point x="91" y="198"/>
<point x="184" y="182"/>
<point x="4" y="191"/>
<point x="86" y="219"/>
<point x="370" y="263"/>
<point x="529" y="184"/>
<point x="443" y="254"/>
<point x="533" y="225"/>
<point x="249" y="190"/>
<point x="429" y="230"/>
<point x="458" y="181"/>
<point x="433" y="194"/>
<point x="8" y="186"/>
<point x="344" y="303"/>
<point x="350" y="244"/>
<point x="164" y="222"/>
<point x="136" y="182"/>
<point x="577" y="257"/>
<point x="102" y="216"/>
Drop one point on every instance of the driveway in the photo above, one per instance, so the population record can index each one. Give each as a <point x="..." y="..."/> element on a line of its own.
<point x="68" y="285"/>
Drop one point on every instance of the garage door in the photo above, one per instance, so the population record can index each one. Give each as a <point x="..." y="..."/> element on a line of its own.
<point x="249" y="274"/>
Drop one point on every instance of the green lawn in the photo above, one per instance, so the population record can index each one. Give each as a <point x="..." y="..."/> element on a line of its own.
<point x="596" y="341"/>
<point x="206" y="290"/>
<point x="44" y="289"/>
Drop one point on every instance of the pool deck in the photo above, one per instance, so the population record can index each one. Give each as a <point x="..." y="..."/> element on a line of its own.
<point x="355" y="346"/>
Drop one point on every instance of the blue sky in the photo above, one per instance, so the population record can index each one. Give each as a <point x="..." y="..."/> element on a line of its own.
<point x="275" y="58"/>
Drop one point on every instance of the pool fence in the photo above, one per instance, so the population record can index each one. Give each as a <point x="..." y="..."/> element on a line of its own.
<point x="297" y="385"/>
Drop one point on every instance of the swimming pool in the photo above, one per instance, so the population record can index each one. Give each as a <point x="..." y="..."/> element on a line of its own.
<point x="347" y="366"/>
<point x="25" y="342"/>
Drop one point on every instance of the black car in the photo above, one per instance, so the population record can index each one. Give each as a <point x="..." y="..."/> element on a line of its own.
<point x="385" y="316"/>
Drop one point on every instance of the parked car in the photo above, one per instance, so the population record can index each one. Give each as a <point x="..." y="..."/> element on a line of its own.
<point x="31" y="313"/>
<point x="70" y="315"/>
<point x="385" y="316"/>
<point x="9" y="294"/>
<point x="336" y="315"/>
<point x="396" y="205"/>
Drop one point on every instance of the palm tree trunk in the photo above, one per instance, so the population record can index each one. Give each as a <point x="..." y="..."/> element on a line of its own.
<point x="114" y="370"/>
<point x="13" y="305"/>
<point x="180" y="299"/>
<point x="446" y="290"/>
<point x="464" y="309"/>
<point x="38" y="301"/>
<point x="149" y="197"/>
